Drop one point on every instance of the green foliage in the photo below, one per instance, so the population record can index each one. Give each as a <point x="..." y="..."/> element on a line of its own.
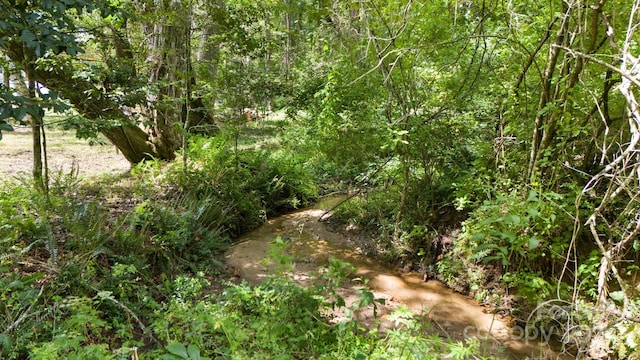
<point x="251" y="183"/>
<point x="4" y="126"/>
<point x="251" y="321"/>
<point x="184" y="232"/>
<point x="372" y="211"/>
<point x="278" y="257"/>
<point x="524" y="236"/>
<point x="177" y="351"/>
<point x="341" y="123"/>
<point x="79" y="334"/>
<point x="421" y="107"/>
<point x="39" y="30"/>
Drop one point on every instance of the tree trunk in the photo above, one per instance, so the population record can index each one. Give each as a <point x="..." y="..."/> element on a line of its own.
<point x="555" y="100"/>
<point x="131" y="140"/>
<point x="170" y="56"/>
<point x="36" y="126"/>
<point x="93" y="104"/>
<point x="546" y="96"/>
<point x="287" y="46"/>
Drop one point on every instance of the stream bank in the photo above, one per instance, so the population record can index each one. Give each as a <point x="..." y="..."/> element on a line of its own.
<point x="312" y="245"/>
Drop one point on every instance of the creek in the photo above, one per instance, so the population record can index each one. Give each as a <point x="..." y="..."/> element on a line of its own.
<point x="312" y="244"/>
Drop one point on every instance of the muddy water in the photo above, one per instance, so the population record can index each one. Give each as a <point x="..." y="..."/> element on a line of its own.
<point x="312" y="245"/>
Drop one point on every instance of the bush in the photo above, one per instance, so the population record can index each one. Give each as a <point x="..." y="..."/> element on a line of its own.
<point x="522" y="236"/>
<point x="250" y="183"/>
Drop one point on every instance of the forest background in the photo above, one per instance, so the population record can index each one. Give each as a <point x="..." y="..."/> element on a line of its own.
<point x="491" y="144"/>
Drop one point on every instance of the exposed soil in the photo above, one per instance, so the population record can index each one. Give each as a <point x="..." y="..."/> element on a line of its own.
<point x="64" y="151"/>
<point x="312" y="244"/>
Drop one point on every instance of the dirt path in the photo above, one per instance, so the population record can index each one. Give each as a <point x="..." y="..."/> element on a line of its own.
<point x="312" y="245"/>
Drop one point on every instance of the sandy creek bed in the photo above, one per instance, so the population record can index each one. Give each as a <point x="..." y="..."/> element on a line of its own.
<point x="312" y="245"/>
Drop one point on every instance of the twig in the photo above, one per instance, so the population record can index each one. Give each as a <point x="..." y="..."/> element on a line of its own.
<point x="357" y="192"/>
<point x="128" y="311"/>
<point x="24" y="315"/>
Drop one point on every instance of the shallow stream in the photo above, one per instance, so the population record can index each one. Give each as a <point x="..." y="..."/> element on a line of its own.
<point x="312" y="244"/>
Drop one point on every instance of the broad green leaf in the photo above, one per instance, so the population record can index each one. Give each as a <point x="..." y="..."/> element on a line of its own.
<point x="508" y="235"/>
<point x="482" y="247"/>
<point x="19" y="113"/>
<point x="170" y="357"/>
<point x="5" y="126"/>
<point x="194" y="352"/>
<point x="488" y="221"/>
<point x="512" y="219"/>
<point x="617" y="295"/>
<point x="489" y="259"/>
<point x="534" y="242"/>
<point x="178" y="349"/>
<point x="27" y="36"/>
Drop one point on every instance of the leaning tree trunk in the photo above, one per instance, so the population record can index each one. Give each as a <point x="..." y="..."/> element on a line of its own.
<point x="91" y="101"/>
<point x="132" y="141"/>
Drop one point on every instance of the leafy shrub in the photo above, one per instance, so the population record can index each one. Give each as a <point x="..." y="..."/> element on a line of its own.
<point x="372" y="211"/>
<point x="525" y="237"/>
<point x="183" y="233"/>
<point x="250" y="183"/>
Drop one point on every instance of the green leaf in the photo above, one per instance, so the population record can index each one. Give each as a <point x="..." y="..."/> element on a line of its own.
<point x="366" y="299"/>
<point x="178" y="349"/>
<point x="27" y="35"/>
<point x="488" y="221"/>
<point x="508" y="235"/>
<point x="617" y="295"/>
<point x="482" y="247"/>
<point x="5" y="342"/>
<point x="534" y="242"/>
<point x="194" y="352"/>
<point x="170" y="357"/>
<point x="5" y="126"/>
<point x="488" y="259"/>
<point x="512" y="219"/>
<point x="19" y="113"/>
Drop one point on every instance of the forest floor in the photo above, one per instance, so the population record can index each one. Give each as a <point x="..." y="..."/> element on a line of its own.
<point x="64" y="151"/>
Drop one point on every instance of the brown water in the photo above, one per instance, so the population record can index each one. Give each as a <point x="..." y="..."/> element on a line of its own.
<point x="312" y="245"/>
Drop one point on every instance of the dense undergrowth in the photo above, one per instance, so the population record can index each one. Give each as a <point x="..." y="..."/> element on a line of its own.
<point x="509" y="250"/>
<point x="129" y="267"/>
<point x="459" y="211"/>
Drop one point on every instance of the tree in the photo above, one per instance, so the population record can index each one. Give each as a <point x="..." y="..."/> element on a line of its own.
<point x="142" y="118"/>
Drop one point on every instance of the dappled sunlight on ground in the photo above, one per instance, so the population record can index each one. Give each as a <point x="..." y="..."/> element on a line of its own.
<point x="64" y="152"/>
<point x="312" y="246"/>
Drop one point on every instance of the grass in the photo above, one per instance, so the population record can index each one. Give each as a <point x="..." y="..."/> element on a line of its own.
<point x="64" y="150"/>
